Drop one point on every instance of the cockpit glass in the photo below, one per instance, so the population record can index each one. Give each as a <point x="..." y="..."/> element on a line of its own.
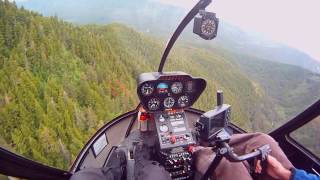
<point x="67" y="68"/>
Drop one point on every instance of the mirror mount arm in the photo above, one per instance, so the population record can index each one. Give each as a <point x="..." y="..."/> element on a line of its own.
<point x="202" y="4"/>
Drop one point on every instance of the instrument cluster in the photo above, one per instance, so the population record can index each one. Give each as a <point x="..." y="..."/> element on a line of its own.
<point x="167" y="94"/>
<point x="169" y="91"/>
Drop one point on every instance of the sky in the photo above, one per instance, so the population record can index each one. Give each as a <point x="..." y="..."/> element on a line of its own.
<point x="293" y="22"/>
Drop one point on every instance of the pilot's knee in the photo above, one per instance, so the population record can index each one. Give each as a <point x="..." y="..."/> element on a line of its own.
<point x="230" y="170"/>
<point x="265" y="139"/>
<point x="203" y="158"/>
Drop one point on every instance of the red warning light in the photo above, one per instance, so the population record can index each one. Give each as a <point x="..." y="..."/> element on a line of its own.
<point x="144" y="116"/>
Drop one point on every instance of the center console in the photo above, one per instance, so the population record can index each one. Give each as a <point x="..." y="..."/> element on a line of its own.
<point x="175" y="140"/>
<point x="165" y="96"/>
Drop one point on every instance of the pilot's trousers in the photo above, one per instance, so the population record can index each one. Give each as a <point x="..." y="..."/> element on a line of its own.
<point x="242" y="144"/>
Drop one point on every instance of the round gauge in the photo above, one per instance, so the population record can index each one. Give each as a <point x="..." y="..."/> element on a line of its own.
<point x="176" y="87"/>
<point x="183" y="101"/>
<point x="168" y="102"/>
<point x="208" y="27"/>
<point x="147" y="89"/>
<point x="164" y="128"/>
<point x="153" y="104"/>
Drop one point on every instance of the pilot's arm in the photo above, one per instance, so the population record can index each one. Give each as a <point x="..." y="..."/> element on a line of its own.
<point x="277" y="171"/>
<point x="241" y="144"/>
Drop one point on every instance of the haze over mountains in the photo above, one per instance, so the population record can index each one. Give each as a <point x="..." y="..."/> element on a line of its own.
<point x="160" y="20"/>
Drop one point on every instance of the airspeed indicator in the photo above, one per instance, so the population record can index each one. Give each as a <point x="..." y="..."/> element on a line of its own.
<point x="147" y="89"/>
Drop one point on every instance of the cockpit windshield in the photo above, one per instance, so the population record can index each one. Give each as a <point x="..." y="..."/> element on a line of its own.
<point x="69" y="67"/>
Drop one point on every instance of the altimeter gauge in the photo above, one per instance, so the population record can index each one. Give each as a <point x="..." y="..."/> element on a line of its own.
<point x="154" y="104"/>
<point x="176" y="87"/>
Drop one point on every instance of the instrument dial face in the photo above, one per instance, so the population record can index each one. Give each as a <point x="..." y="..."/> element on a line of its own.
<point x="164" y="128"/>
<point x="147" y="89"/>
<point x="153" y="104"/>
<point x="183" y="101"/>
<point x="168" y="102"/>
<point x="176" y="87"/>
<point x="208" y="27"/>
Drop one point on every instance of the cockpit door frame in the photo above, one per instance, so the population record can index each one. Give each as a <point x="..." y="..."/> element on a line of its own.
<point x="299" y="155"/>
<point x="14" y="165"/>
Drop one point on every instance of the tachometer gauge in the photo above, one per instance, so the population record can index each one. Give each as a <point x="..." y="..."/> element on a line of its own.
<point x="147" y="89"/>
<point x="183" y="101"/>
<point x="168" y="102"/>
<point x="176" y="87"/>
<point x="153" y="104"/>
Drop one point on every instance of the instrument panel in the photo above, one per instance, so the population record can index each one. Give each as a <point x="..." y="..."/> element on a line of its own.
<point x="170" y="90"/>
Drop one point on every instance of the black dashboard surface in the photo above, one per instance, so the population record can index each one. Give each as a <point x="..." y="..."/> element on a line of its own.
<point x="169" y="90"/>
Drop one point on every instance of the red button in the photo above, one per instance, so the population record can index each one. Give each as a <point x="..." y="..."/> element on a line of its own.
<point x="173" y="139"/>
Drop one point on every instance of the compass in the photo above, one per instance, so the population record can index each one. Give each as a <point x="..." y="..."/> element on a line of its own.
<point x="206" y="25"/>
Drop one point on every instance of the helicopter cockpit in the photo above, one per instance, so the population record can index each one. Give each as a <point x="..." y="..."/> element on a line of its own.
<point x="166" y="123"/>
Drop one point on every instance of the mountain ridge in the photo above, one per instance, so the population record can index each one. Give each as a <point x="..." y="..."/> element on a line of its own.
<point x="159" y="20"/>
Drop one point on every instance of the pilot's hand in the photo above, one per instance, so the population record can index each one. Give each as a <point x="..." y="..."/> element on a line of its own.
<point x="274" y="169"/>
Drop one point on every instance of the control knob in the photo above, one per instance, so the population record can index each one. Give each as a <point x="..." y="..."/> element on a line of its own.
<point x="173" y="139"/>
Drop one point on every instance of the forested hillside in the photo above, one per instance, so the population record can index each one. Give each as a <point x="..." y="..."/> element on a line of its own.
<point x="290" y="88"/>
<point x="60" y="82"/>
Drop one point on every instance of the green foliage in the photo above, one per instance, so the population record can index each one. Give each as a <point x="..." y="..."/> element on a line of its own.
<point x="59" y="83"/>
